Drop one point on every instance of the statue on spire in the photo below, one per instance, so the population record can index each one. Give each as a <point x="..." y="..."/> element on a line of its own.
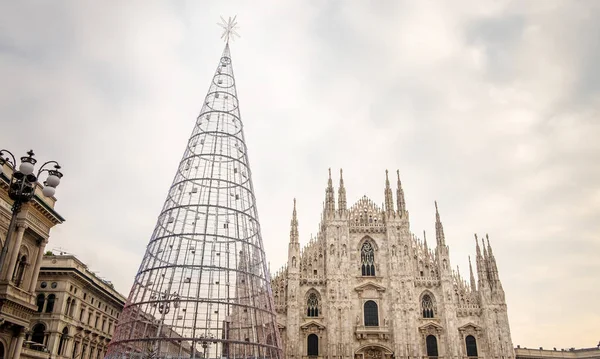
<point x="400" y="196"/>
<point x="329" y="196"/>
<point x="389" y="201"/>
<point x="294" y="235"/>
<point x="439" y="229"/>
<point x="471" y="276"/>
<point x="342" y="193"/>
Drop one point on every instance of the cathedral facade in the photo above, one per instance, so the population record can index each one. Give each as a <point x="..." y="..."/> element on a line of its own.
<point x="367" y="288"/>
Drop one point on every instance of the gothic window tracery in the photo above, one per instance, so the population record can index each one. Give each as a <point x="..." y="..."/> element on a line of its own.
<point x="427" y="306"/>
<point x="312" y="305"/>
<point x="367" y="256"/>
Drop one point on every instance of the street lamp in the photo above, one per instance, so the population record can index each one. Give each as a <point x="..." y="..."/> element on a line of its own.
<point x="21" y="189"/>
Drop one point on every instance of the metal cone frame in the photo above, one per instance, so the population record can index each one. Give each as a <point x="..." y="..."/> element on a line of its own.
<point x="202" y="290"/>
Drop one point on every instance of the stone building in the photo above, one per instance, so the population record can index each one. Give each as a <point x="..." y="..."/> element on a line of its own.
<point x="76" y="311"/>
<point x="366" y="287"/>
<point x="572" y="353"/>
<point x="18" y="277"/>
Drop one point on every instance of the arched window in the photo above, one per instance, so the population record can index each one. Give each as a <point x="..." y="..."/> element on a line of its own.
<point x="72" y="310"/>
<point x="432" y="350"/>
<point x="50" y="305"/>
<point x="20" y="270"/>
<point x="427" y="306"/>
<point x="371" y="314"/>
<point x="63" y="340"/>
<point x="40" y="302"/>
<point x="68" y="309"/>
<point x="471" y="346"/>
<point x="312" y="345"/>
<point x="367" y="257"/>
<point x="312" y="305"/>
<point x="38" y="333"/>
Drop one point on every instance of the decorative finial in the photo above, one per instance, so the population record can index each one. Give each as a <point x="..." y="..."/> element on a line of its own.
<point x="229" y="28"/>
<point x="329" y="172"/>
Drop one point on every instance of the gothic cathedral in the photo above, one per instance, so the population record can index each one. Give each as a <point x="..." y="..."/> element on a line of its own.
<point x="367" y="288"/>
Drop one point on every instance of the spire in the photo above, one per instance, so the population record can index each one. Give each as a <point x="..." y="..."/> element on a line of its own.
<point x="341" y="193"/>
<point x="201" y="208"/>
<point x="491" y="254"/>
<point x="389" y="201"/>
<point x="439" y="229"/>
<point x="329" y="197"/>
<point x="400" y="196"/>
<point x="425" y="242"/>
<point x="492" y="262"/>
<point x="485" y="253"/>
<point x="294" y="236"/>
<point x="479" y="261"/>
<point x="471" y="276"/>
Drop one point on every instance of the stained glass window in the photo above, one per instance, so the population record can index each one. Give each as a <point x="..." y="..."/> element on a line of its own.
<point x="427" y="306"/>
<point x="312" y="305"/>
<point x="367" y="256"/>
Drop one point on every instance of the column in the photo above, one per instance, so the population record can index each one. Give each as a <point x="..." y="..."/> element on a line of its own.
<point x="19" y="344"/>
<point x="37" y="265"/>
<point x="15" y="251"/>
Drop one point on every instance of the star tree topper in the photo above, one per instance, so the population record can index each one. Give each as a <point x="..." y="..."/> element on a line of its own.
<point x="229" y="28"/>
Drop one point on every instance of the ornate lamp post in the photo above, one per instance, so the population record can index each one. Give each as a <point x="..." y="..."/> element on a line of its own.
<point x="22" y="183"/>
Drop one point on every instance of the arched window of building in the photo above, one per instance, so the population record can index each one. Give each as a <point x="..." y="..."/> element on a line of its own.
<point x="40" y="302"/>
<point x="63" y="340"/>
<point x="471" y="346"/>
<point x="50" y="304"/>
<point x="20" y="270"/>
<point x="38" y="333"/>
<point x="68" y="309"/>
<point x="427" y="306"/>
<point x="432" y="349"/>
<point x="72" y="310"/>
<point x="371" y="314"/>
<point x="312" y="345"/>
<point x="312" y="305"/>
<point x="367" y="257"/>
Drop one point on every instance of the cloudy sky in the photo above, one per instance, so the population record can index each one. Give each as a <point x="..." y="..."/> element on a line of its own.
<point x="488" y="107"/>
